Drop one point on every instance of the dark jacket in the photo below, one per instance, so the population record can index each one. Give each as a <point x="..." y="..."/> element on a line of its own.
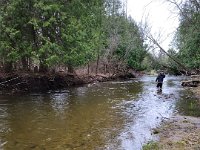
<point x="160" y="78"/>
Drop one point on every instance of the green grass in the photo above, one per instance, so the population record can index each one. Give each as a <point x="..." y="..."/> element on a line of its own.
<point x="151" y="146"/>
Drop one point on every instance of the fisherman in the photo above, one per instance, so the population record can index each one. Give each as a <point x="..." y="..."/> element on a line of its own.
<point x="159" y="80"/>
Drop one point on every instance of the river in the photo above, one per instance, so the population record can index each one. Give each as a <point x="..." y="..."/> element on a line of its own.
<point x="118" y="115"/>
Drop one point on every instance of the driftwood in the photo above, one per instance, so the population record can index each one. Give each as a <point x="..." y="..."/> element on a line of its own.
<point x="193" y="82"/>
<point x="5" y="82"/>
<point x="195" y="77"/>
<point x="190" y="83"/>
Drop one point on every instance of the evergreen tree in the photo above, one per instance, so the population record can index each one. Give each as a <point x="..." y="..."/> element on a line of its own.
<point x="188" y="35"/>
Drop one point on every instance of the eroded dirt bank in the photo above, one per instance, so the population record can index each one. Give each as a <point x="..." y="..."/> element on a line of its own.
<point x="27" y="82"/>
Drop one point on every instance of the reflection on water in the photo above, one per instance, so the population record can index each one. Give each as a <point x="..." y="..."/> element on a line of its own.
<point x="150" y="109"/>
<point x="113" y="115"/>
<point x="188" y="104"/>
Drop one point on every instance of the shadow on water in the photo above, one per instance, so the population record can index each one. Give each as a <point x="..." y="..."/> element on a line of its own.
<point x="103" y="116"/>
<point x="78" y="118"/>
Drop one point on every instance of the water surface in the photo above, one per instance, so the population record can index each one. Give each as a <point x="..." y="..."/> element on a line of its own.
<point x="117" y="115"/>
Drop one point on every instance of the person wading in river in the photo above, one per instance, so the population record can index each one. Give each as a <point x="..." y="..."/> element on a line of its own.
<point x="159" y="81"/>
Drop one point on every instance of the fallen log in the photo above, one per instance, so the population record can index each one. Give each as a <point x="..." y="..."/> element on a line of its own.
<point x="190" y="83"/>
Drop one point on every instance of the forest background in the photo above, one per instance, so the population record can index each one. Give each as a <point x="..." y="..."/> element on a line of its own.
<point x="94" y="37"/>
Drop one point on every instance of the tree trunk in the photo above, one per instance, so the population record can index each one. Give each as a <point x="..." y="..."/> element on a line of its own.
<point x="97" y="67"/>
<point x="105" y="68"/>
<point x="8" y="67"/>
<point x="43" y="67"/>
<point x="171" y="57"/>
<point x="24" y="63"/>
<point x="88" y="71"/>
<point x="71" y="69"/>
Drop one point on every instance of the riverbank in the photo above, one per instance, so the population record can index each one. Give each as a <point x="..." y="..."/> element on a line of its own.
<point x="38" y="82"/>
<point x="179" y="132"/>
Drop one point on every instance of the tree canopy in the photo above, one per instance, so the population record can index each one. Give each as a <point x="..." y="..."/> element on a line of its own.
<point x="188" y="34"/>
<point x="49" y="33"/>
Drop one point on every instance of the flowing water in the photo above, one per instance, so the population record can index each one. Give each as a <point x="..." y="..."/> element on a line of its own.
<point x="118" y="115"/>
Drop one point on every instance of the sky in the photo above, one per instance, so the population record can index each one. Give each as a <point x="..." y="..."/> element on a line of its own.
<point x="161" y="17"/>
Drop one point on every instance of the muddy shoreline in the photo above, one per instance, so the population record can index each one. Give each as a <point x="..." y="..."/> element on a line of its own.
<point x="180" y="132"/>
<point x="27" y="82"/>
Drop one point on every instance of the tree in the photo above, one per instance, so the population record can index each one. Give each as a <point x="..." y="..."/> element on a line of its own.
<point x="125" y="44"/>
<point x="188" y="33"/>
<point x="49" y="33"/>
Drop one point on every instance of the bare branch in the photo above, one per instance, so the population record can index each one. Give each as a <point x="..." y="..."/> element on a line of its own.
<point x="162" y="49"/>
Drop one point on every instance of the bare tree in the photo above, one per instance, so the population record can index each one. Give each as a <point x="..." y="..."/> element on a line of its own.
<point x="150" y="37"/>
<point x="154" y="42"/>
